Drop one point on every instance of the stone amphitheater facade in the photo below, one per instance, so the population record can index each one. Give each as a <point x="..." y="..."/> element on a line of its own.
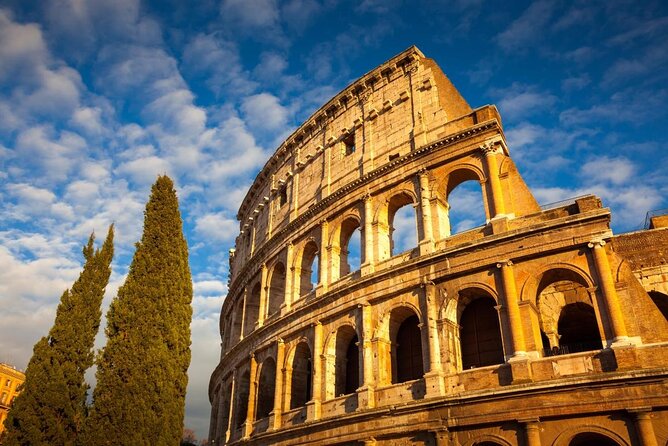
<point x="540" y="327"/>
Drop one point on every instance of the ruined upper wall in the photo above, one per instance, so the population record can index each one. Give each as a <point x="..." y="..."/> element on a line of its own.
<point x="406" y="102"/>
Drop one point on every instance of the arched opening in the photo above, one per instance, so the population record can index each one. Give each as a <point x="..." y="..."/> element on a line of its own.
<point x="266" y="387"/>
<point x="350" y="243"/>
<point x="276" y="290"/>
<point x="566" y="315"/>
<point x="300" y="388"/>
<point x="591" y="438"/>
<point x="309" y="273"/>
<point x="486" y="443"/>
<point x="406" y="339"/>
<point x="480" y="334"/>
<point x="252" y="309"/>
<point x="577" y="328"/>
<point x="402" y="223"/>
<point x="225" y="411"/>
<point x="661" y="302"/>
<point x="241" y="405"/>
<point x="466" y="208"/>
<point x="347" y="361"/>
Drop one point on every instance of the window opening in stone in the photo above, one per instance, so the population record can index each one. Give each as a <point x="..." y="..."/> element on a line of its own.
<point x="282" y="196"/>
<point x="225" y="411"/>
<point x="408" y="351"/>
<point x="252" y="309"/>
<point x="578" y="330"/>
<point x="309" y="271"/>
<point x="591" y="438"/>
<point x="241" y="410"/>
<point x="276" y="290"/>
<point x="466" y="209"/>
<point x="300" y="391"/>
<point x="265" y="393"/>
<point x="237" y="319"/>
<point x="480" y="334"/>
<point x="349" y="144"/>
<point x="661" y="302"/>
<point x="403" y="229"/>
<point x="347" y="361"/>
<point x="350" y="246"/>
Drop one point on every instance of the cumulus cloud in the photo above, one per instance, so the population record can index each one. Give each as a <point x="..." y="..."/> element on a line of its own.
<point x="526" y="30"/>
<point x="264" y="111"/>
<point x="217" y="227"/>
<point x="520" y="100"/>
<point x="612" y="170"/>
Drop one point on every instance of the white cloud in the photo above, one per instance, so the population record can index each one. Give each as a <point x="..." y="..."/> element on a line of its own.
<point x="523" y="100"/>
<point x="264" y="111"/>
<point x="526" y="29"/>
<point x="144" y="170"/>
<point x="604" y="169"/>
<point x="250" y="14"/>
<point x="216" y="227"/>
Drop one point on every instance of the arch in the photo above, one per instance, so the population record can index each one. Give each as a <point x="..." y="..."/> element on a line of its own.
<point x="661" y="302"/>
<point x="349" y="232"/>
<point x="241" y="405"/>
<point x="461" y="173"/>
<point x="402" y="222"/>
<point x="237" y="319"/>
<point x="488" y="440"/>
<point x="266" y="388"/>
<point x="480" y="333"/>
<point x="466" y="207"/>
<point x="252" y="308"/>
<point x="406" y="345"/>
<point x="308" y="267"/>
<point x="531" y="285"/>
<point x="225" y="411"/>
<point x="276" y="295"/>
<point x="302" y="374"/>
<point x="598" y="433"/>
<point x="346" y="362"/>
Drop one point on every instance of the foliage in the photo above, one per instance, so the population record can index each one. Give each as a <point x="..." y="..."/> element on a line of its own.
<point x="142" y="371"/>
<point x="52" y="405"/>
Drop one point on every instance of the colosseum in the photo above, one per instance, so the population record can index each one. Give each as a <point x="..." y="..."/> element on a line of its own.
<point x="539" y="327"/>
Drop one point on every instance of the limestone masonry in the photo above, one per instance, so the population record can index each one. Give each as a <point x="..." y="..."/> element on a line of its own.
<point x="540" y="327"/>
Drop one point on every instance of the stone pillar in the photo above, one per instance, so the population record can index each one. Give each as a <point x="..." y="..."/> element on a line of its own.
<point x="324" y="255"/>
<point x="252" y="392"/>
<point x="264" y="294"/>
<point x="433" y="377"/>
<point x="231" y="416"/>
<point x="532" y="431"/>
<point x="511" y="303"/>
<point x="442" y="437"/>
<point x="499" y="209"/>
<point x="607" y="284"/>
<point x="427" y="243"/>
<point x="275" y="420"/>
<point x="289" y="277"/>
<point x="643" y="421"/>
<point x="368" y="235"/>
<point x="243" y="313"/>
<point x="365" y="395"/>
<point x="313" y="406"/>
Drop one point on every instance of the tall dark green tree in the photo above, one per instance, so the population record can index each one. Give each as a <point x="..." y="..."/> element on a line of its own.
<point x="51" y="408"/>
<point x="142" y="371"/>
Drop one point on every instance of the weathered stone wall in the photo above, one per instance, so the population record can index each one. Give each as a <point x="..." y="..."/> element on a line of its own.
<point x="526" y="329"/>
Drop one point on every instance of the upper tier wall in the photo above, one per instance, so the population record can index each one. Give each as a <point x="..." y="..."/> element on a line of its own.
<point x="405" y="103"/>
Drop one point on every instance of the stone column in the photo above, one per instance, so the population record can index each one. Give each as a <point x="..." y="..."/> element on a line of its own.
<point x="289" y="277"/>
<point x="434" y="376"/>
<point x="275" y="420"/>
<point x="368" y="235"/>
<point x="607" y="284"/>
<point x="243" y="313"/>
<point x="532" y="431"/>
<point x="252" y="392"/>
<point x="490" y="150"/>
<point x="313" y="406"/>
<point x="365" y="394"/>
<point x="643" y="421"/>
<point x="231" y="416"/>
<point x="324" y="255"/>
<point x="427" y="243"/>
<point x="511" y="303"/>
<point x="264" y="294"/>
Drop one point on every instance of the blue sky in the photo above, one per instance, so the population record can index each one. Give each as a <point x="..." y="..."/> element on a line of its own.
<point x="97" y="97"/>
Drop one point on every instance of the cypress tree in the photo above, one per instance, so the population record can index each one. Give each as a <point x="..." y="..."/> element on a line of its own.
<point x="52" y="405"/>
<point x="142" y="370"/>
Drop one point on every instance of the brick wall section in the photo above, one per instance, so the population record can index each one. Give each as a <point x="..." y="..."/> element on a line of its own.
<point x="643" y="249"/>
